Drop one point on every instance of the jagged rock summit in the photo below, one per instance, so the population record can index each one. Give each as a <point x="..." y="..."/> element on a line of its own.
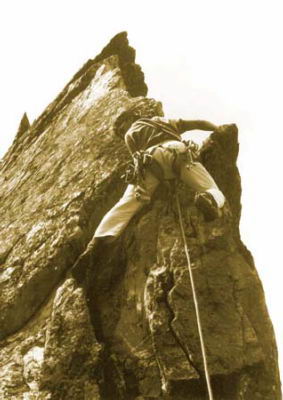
<point x="133" y="335"/>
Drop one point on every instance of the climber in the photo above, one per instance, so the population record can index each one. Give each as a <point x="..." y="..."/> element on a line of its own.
<point x="159" y="154"/>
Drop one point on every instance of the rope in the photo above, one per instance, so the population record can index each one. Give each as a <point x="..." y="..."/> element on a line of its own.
<point x="195" y="300"/>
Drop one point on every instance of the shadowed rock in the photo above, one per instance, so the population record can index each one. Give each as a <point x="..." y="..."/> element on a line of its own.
<point x="133" y="335"/>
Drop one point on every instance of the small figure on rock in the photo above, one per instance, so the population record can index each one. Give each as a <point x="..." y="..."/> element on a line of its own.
<point x="159" y="154"/>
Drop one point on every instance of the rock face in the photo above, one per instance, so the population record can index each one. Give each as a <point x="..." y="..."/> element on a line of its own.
<point x="133" y="335"/>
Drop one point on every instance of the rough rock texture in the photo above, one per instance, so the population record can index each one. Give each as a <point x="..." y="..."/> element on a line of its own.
<point x="133" y="335"/>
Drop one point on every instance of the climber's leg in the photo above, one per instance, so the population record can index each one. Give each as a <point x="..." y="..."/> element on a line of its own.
<point x="116" y="220"/>
<point x="80" y="266"/>
<point x="209" y="198"/>
<point x="199" y="179"/>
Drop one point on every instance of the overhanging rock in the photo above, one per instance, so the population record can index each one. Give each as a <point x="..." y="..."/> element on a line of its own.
<point x="134" y="335"/>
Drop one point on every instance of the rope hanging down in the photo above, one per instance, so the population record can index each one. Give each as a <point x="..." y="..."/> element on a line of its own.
<point x="195" y="299"/>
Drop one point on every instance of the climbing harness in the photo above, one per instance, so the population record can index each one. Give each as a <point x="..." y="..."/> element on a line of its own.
<point x="209" y="389"/>
<point x="136" y="169"/>
<point x="143" y="159"/>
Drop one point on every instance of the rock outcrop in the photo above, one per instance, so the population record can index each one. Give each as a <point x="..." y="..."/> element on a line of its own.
<point x="133" y="334"/>
<point x="23" y="127"/>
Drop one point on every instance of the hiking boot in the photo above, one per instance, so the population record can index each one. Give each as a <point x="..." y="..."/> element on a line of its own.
<point x="206" y="203"/>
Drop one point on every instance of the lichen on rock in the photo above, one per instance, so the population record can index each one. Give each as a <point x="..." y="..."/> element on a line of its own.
<point x="133" y="334"/>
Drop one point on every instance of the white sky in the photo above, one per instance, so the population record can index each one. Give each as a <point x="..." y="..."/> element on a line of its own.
<point x="218" y="60"/>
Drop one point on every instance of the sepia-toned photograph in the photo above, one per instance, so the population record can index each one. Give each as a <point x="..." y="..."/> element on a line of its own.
<point x="140" y="200"/>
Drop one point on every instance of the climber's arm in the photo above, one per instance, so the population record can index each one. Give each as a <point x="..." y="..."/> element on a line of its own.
<point x="188" y="125"/>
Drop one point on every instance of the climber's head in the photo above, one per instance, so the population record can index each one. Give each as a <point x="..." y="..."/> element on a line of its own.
<point x="125" y="120"/>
